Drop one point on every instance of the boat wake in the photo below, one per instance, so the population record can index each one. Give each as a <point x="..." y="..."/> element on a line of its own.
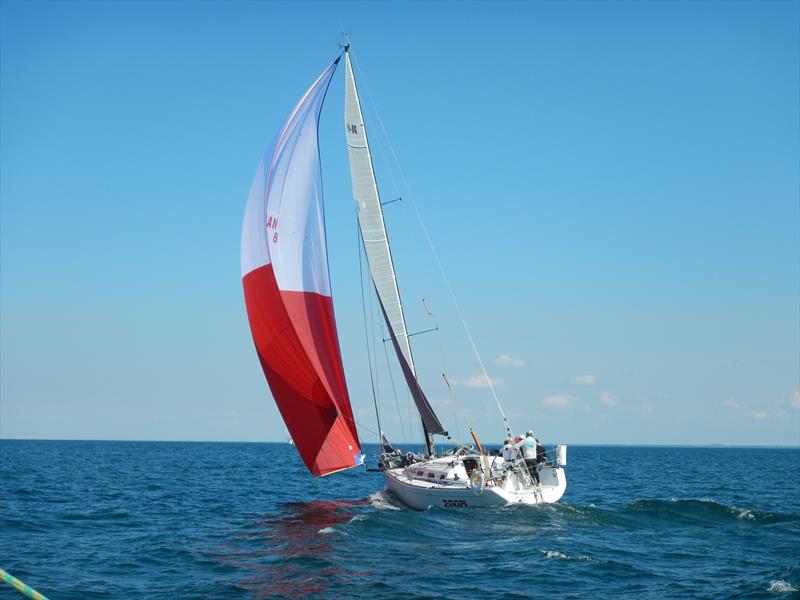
<point x="382" y="501"/>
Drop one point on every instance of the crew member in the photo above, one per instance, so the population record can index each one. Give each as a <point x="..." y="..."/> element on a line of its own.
<point x="541" y="453"/>
<point x="528" y="446"/>
<point x="508" y="451"/>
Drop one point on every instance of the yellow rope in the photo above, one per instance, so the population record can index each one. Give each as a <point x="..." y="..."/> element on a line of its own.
<point x="20" y="586"/>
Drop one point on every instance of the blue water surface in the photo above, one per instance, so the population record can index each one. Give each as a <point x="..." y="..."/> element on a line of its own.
<point x="237" y="520"/>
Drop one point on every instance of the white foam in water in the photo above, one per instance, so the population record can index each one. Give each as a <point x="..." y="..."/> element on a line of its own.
<point x="776" y="585"/>
<point x="327" y="530"/>
<point x="378" y="500"/>
<point x="357" y="518"/>
<point x="561" y="556"/>
<point x="744" y="513"/>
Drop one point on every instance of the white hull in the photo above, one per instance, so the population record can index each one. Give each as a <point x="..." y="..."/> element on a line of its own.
<point x="421" y="486"/>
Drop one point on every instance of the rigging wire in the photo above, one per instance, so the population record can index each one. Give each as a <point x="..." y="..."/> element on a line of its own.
<point x="374" y="342"/>
<point x="360" y="425"/>
<point x="366" y="334"/>
<point x="460" y="408"/>
<point x="454" y="401"/>
<point x="371" y="355"/>
<point x="433" y="250"/>
<point x="394" y="390"/>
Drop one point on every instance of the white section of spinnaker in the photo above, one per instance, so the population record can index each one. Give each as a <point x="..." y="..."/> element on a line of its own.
<point x="284" y="221"/>
<point x="297" y="245"/>
<point x="254" y="249"/>
<point x="438" y="261"/>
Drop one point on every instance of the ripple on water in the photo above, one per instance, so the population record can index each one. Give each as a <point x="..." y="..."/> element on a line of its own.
<point x="705" y="510"/>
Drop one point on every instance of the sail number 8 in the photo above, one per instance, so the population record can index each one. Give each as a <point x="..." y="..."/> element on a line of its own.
<point x="272" y="223"/>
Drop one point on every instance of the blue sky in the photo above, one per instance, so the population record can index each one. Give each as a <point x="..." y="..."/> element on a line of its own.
<point x="612" y="187"/>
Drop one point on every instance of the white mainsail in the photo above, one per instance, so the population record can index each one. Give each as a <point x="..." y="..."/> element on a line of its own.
<point x="376" y="244"/>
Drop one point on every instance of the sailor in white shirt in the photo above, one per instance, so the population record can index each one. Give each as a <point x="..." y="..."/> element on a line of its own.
<point x="528" y="446"/>
<point x="508" y="451"/>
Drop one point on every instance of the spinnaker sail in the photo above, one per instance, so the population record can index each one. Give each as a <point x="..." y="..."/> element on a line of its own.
<point x="288" y="294"/>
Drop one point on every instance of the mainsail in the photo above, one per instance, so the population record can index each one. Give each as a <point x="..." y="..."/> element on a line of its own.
<point x="376" y="246"/>
<point x="288" y="295"/>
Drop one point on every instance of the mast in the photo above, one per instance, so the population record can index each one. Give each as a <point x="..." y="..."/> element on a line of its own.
<point x="376" y="248"/>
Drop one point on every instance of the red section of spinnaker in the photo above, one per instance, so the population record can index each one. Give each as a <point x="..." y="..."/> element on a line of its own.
<point x="296" y="341"/>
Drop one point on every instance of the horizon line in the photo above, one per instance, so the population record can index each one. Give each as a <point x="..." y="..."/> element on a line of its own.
<point x="377" y="443"/>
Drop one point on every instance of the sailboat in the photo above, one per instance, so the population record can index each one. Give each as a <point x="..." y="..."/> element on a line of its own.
<point x="289" y="306"/>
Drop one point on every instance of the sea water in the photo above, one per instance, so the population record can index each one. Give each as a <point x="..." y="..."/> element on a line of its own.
<point x="238" y="520"/>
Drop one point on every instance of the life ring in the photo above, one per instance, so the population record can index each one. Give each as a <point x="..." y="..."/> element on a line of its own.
<point x="476" y="482"/>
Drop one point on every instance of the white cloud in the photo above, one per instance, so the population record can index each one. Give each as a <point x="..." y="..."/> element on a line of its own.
<point x="583" y="380"/>
<point x="558" y="401"/>
<point x="608" y="399"/>
<point x="778" y="409"/>
<point x="646" y="407"/>
<point x="481" y="381"/>
<point x="758" y="414"/>
<point x="506" y="360"/>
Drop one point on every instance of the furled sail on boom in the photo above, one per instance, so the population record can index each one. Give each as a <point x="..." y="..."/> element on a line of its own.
<point x="288" y="295"/>
<point x="376" y="247"/>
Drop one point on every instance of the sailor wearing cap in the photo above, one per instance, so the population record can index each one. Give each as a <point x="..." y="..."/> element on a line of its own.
<point x="528" y="446"/>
